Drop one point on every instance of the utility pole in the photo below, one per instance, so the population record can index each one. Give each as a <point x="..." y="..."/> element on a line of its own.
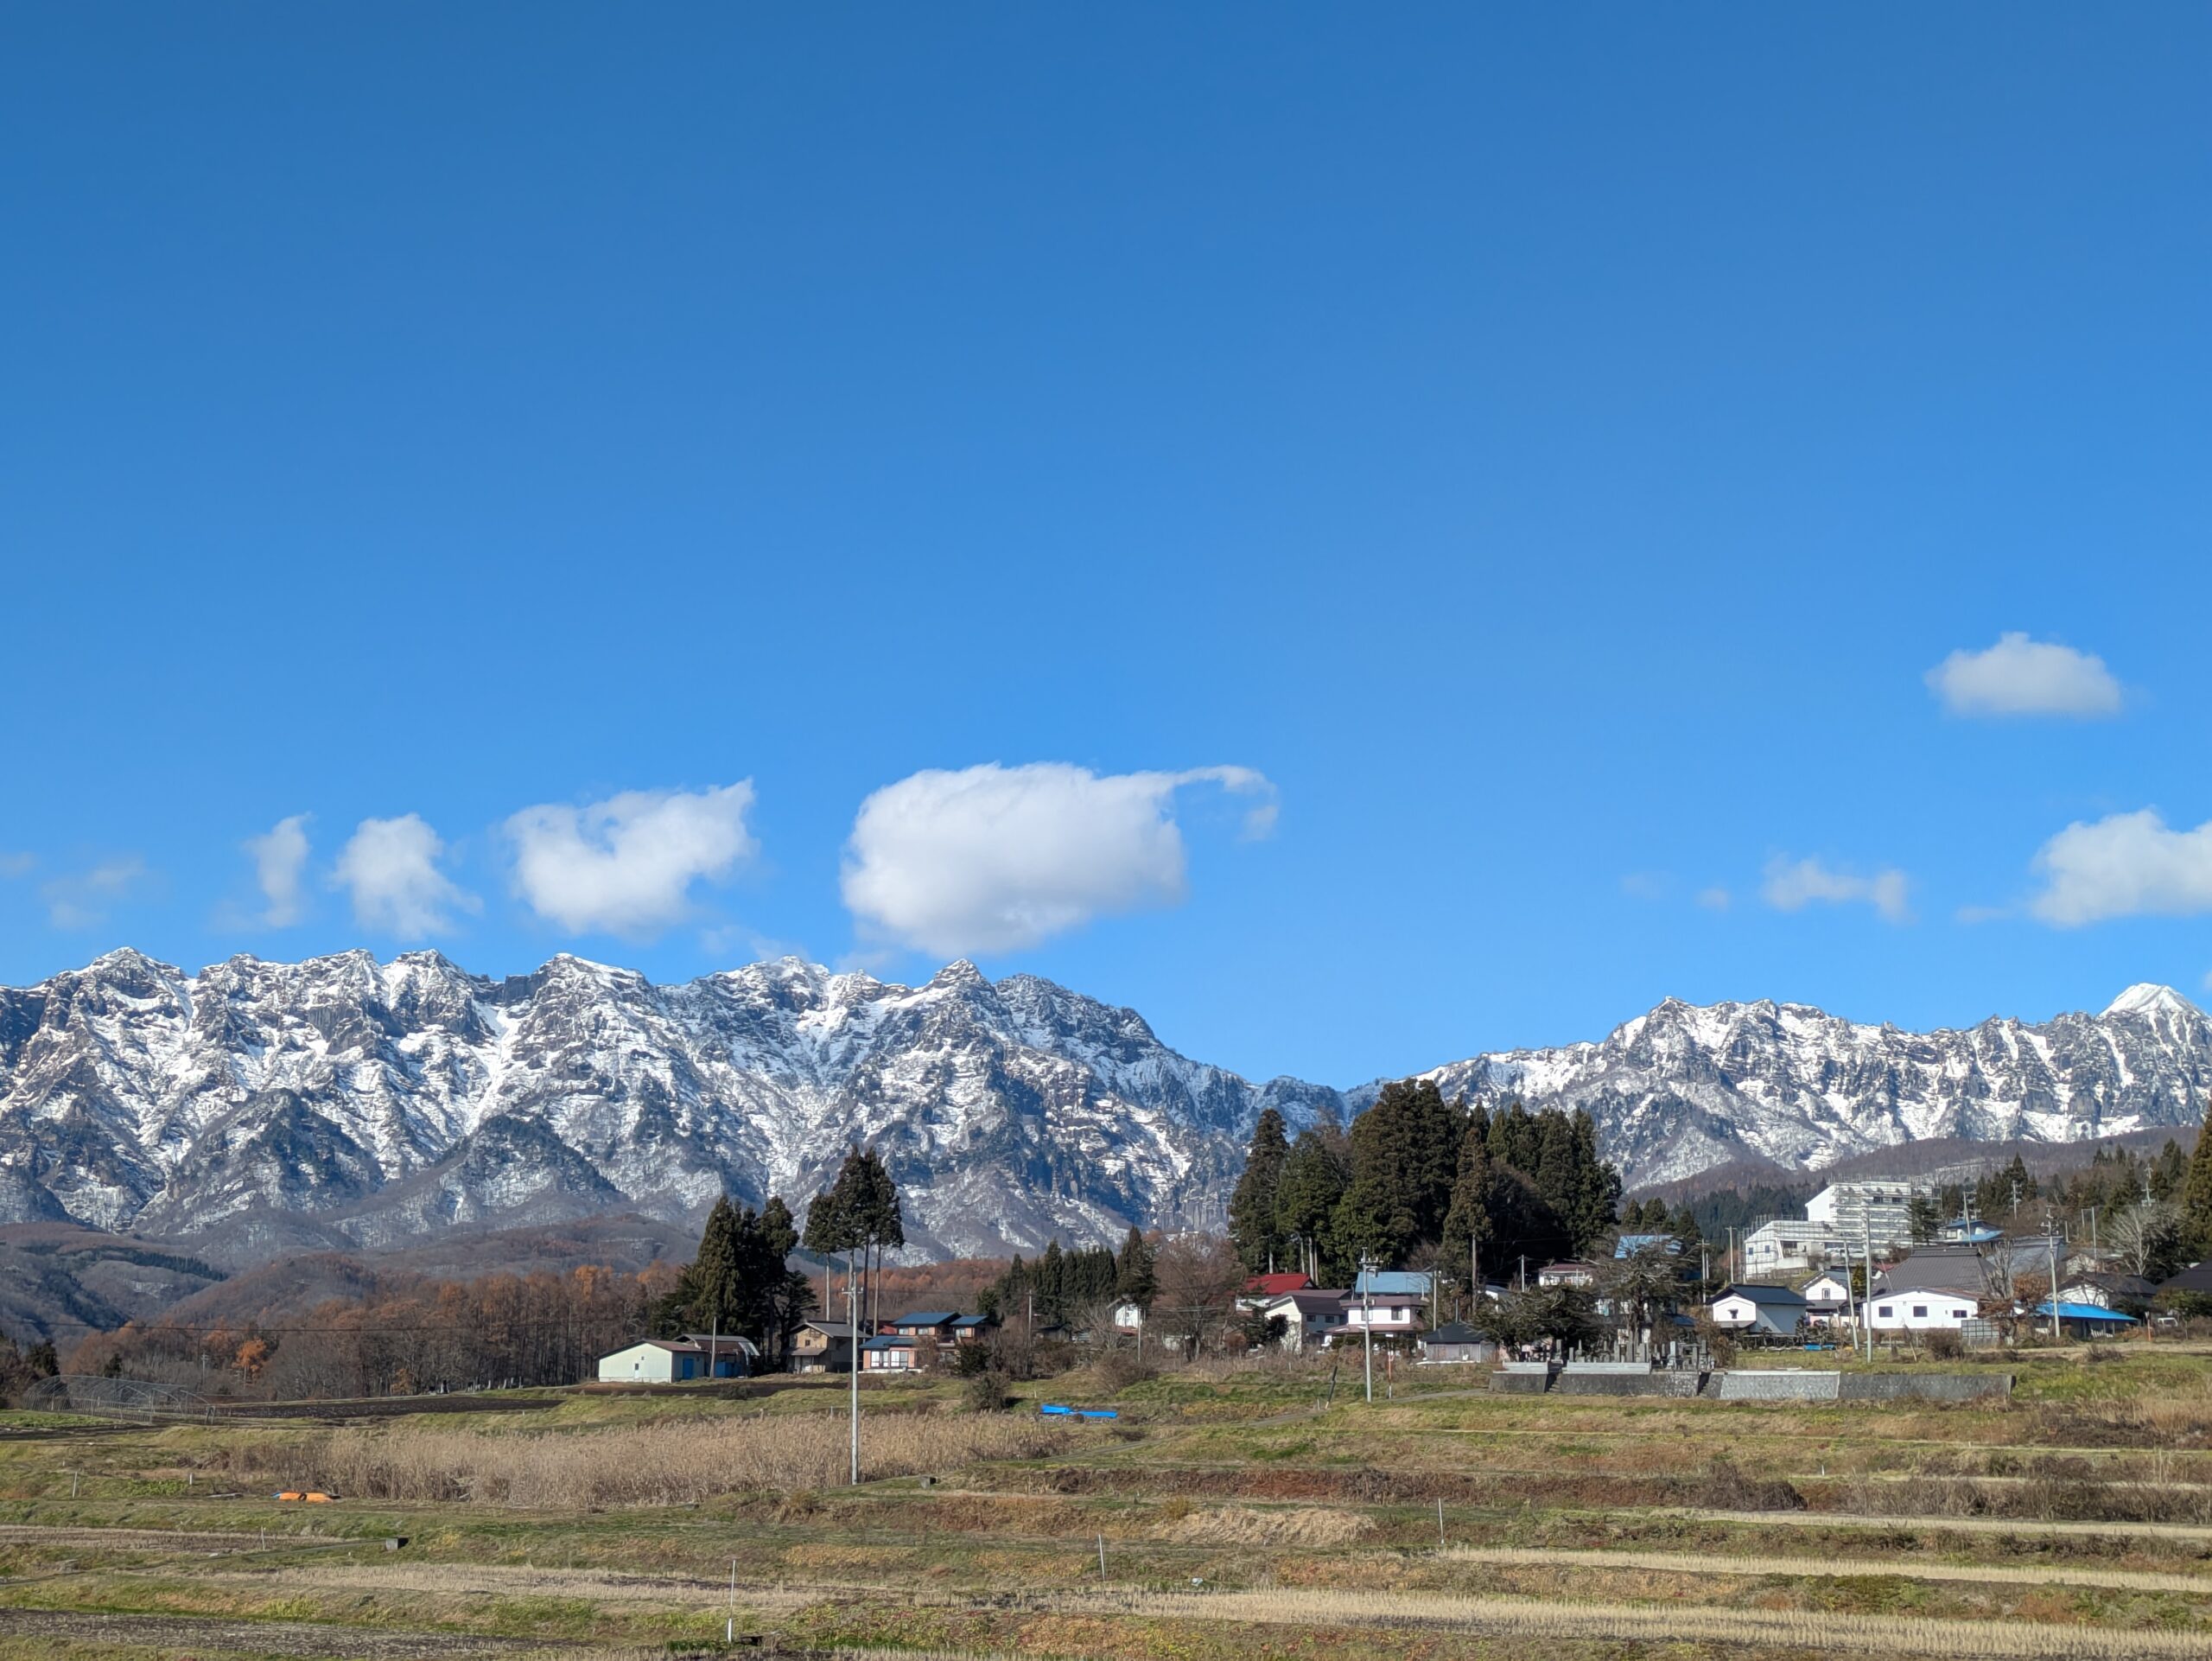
<point x="1867" y="1303"/>
<point x="2050" y="1245"/>
<point x="852" y="1332"/>
<point x="1367" y="1321"/>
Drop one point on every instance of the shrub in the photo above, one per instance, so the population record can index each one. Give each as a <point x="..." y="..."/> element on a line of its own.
<point x="986" y="1390"/>
<point x="1945" y="1345"/>
<point x="1116" y="1369"/>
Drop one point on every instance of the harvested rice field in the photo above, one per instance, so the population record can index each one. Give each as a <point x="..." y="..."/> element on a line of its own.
<point x="1227" y="1511"/>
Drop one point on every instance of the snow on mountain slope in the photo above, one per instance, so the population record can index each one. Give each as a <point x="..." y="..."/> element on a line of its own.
<point x="258" y="1103"/>
<point x="257" y="1107"/>
<point x="1684" y="1087"/>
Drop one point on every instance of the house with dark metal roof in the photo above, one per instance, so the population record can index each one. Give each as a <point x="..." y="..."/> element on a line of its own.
<point x="1457" y="1344"/>
<point x="1775" y="1310"/>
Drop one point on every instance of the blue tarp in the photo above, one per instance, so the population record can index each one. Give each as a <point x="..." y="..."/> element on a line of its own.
<point x="2086" y="1311"/>
<point x="1078" y="1412"/>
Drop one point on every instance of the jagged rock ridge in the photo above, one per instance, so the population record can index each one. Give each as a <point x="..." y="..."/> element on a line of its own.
<point x="256" y="1108"/>
<point x="263" y="1106"/>
<point x="1687" y="1087"/>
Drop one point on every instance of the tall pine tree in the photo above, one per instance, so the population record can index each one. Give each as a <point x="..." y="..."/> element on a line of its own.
<point x="1135" y="1280"/>
<point x="1254" y="1227"/>
<point x="1404" y="1153"/>
<point x="2196" y="1189"/>
<point x="1313" y="1184"/>
<point x="1467" y="1224"/>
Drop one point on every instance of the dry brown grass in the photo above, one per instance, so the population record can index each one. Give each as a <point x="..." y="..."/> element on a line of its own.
<point x="1237" y="1525"/>
<point x="1672" y="1624"/>
<point x="676" y="1462"/>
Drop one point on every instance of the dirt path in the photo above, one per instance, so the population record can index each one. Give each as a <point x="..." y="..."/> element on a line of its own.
<point x="194" y="1634"/>
<point x="1700" y="1562"/>
<point x="1955" y="1525"/>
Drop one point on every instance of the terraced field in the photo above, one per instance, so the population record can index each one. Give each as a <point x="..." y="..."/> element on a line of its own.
<point x="1225" y="1513"/>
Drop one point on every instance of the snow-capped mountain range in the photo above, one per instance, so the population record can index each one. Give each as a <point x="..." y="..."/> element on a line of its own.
<point x="258" y="1107"/>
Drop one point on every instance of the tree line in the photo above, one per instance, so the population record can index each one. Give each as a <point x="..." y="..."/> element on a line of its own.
<point x="1417" y="1177"/>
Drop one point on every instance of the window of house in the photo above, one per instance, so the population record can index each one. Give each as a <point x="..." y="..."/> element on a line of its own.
<point x="1885" y="1311"/>
<point x="1920" y="1312"/>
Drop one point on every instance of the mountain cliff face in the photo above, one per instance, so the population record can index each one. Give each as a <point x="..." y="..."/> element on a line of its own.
<point x="344" y="1101"/>
<point x="1686" y="1087"/>
<point x="256" y="1108"/>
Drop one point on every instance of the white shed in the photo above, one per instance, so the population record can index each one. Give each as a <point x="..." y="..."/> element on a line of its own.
<point x="656" y="1361"/>
<point x="1921" y="1312"/>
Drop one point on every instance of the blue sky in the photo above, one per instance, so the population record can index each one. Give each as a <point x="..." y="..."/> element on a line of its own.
<point x="1366" y="538"/>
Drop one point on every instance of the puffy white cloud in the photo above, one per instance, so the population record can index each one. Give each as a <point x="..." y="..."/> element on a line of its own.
<point x="626" y="865"/>
<point x="994" y="858"/>
<point x="2124" y="865"/>
<point x="1792" y="885"/>
<point x="1716" y="899"/>
<point x="13" y="865"/>
<point x="280" y="866"/>
<point x="2021" y="677"/>
<point x="390" y="868"/>
<point x="81" y="899"/>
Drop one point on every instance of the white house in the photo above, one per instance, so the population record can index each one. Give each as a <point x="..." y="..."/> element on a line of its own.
<point x="1775" y="1310"/>
<point x="1308" y="1317"/>
<point x="1782" y="1246"/>
<point x="1392" y="1311"/>
<point x="1829" y="1297"/>
<point x="1921" y="1312"/>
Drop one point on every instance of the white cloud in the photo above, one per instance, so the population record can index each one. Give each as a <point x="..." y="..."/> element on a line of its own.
<point x="280" y="865"/>
<point x="1716" y="899"/>
<point x="81" y="899"/>
<point x="994" y="858"/>
<point x="626" y="865"/>
<point x="2124" y="865"/>
<point x="14" y="865"/>
<point x="2021" y="677"/>
<point x="1646" y="885"/>
<point x="1791" y="885"/>
<point x="390" y="866"/>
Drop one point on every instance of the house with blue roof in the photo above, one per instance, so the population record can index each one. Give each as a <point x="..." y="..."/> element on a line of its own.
<point x="1414" y="1282"/>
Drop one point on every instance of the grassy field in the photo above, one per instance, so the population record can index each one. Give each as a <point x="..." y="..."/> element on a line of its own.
<point x="1233" y="1512"/>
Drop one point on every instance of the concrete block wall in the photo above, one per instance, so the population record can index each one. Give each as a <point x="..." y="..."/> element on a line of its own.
<point x="1775" y="1387"/>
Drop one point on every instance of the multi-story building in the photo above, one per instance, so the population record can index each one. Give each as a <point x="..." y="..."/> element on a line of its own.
<point x="1861" y="1213"/>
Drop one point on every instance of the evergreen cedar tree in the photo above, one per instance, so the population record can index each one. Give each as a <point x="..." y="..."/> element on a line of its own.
<point x="739" y="1283"/>
<point x="1415" y="1171"/>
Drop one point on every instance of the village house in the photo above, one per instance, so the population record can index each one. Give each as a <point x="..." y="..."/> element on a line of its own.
<point x="679" y="1360"/>
<point x="1775" y="1311"/>
<point x="1389" y="1312"/>
<point x="2108" y="1289"/>
<point x="1309" y="1317"/>
<point x="888" y="1352"/>
<point x="1921" y="1311"/>
<point x="1829" y="1297"/>
<point x="1260" y="1288"/>
<point x="1567" y="1271"/>
<point x="1782" y="1246"/>
<point x="822" y="1346"/>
